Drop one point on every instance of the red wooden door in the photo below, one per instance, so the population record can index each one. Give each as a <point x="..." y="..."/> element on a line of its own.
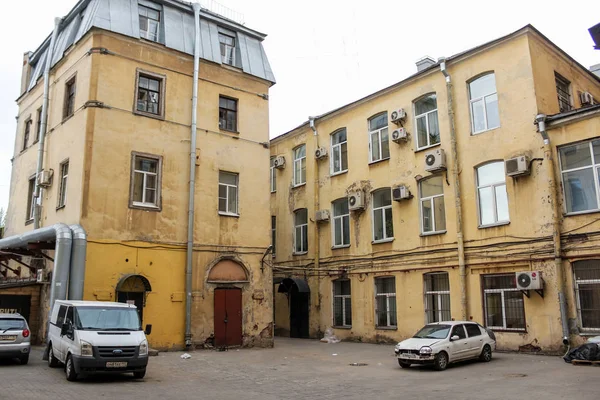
<point x="228" y="317"/>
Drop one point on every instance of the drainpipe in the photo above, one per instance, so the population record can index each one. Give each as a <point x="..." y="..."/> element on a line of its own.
<point x="462" y="269"/>
<point x="311" y="123"/>
<point x="540" y="120"/>
<point x="37" y="213"/>
<point x="190" y="234"/>
<point x="77" y="270"/>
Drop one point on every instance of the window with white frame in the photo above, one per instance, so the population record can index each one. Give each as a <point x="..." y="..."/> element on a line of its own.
<point x="491" y="194"/>
<point x="437" y="297"/>
<point x="341" y="223"/>
<point x="426" y="117"/>
<point x="563" y="91"/>
<point x="274" y="234"/>
<point x="26" y="134"/>
<point x="339" y="152"/>
<point x="62" y="190"/>
<point x="484" y="103"/>
<point x="503" y="303"/>
<point x="379" y="143"/>
<point x="587" y="293"/>
<point x="145" y="181"/>
<point x="149" y="23"/>
<point x="385" y="302"/>
<point x="300" y="165"/>
<point x="30" y="200"/>
<point x="228" y="193"/>
<point x="580" y="167"/>
<point x="273" y="176"/>
<point x="227" y="43"/>
<point x="383" y="225"/>
<point x="433" y="213"/>
<point x="342" y="303"/>
<point x="301" y="231"/>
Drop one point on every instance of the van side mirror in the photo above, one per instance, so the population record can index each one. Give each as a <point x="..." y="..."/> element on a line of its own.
<point x="148" y="329"/>
<point x="64" y="329"/>
<point x="455" y="337"/>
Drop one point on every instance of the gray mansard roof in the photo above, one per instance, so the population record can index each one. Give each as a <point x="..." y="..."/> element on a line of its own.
<point x="176" y="32"/>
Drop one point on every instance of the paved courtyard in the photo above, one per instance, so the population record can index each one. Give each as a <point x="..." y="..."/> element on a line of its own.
<point x="303" y="369"/>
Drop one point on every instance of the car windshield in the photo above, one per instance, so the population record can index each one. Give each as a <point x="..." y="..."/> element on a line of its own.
<point x="107" y="319"/>
<point x="433" y="332"/>
<point x="11" y="323"/>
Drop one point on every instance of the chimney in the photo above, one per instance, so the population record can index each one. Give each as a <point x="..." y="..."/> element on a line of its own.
<point x="26" y="72"/>
<point x="595" y="70"/>
<point x="425" y="63"/>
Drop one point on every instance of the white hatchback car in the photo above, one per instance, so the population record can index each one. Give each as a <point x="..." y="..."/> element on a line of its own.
<point x="441" y="343"/>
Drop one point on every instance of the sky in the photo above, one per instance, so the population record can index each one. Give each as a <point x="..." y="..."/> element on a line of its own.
<point x="325" y="53"/>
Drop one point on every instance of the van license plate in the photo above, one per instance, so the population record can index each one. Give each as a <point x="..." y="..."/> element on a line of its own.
<point x="11" y="338"/>
<point x="114" y="364"/>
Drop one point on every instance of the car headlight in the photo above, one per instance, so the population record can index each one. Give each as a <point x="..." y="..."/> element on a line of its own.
<point x="425" y="350"/>
<point x="397" y="347"/>
<point x="144" y="348"/>
<point x="86" y="349"/>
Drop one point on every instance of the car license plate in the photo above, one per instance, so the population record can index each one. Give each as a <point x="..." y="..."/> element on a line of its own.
<point x="116" y="364"/>
<point x="408" y="355"/>
<point x="7" y="338"/>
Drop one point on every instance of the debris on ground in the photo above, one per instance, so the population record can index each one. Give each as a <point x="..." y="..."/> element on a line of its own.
<point x="586" y="352"/>
<point x="186" y="356"/>
<point x="329" y="337"/>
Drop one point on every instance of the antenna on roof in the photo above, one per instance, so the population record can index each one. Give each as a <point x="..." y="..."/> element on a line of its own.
<point x="220" y="9"/>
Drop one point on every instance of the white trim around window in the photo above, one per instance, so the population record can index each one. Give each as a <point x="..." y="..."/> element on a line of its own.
<point x="146" y="177"/>
<point x="580" y="174"/>
<point x="339" y="152"/>
<point x="483" y="103"/>
<point x="228" y="193"/>
<point x="492" y="198"/>
<point x="382" y="217"/>
<point x="273" y="175"/>
<point x="429" y="199"/>
<point x="300" y="234"/>
<point x="379" y="142"/>
<point x="62" y="188"/>
<point x="299" y="157"/>
<point x="340" y="228"/>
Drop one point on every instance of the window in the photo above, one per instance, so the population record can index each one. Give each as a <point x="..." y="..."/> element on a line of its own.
<point x="433" y="214"/>
<point x="459" y="331"/>
<point x="30" y="200"/>
<point x="38" y="126"/>
<point x="385" y="302"/>
<point x="273" y="176"/>
<point x="472" y="330"/>
<point x="145" y="179"/>
<point x="149" y="23"/>
<point x="339" y="152"/>
<point x="379" y="144"/>
<point x="150" y="94"/>
<point x="580" y="165"/>
<point x="228" y="193"/>
<point x="491" y="194"/>
<point x="426" y="116"/>
<point x="274" y="234"/>
<point x="26" y="134"/>
<point x="484" y="104"/>
<point x="342" y="303"/>
<point x="301" y="231"/>
<point x="437" y="297"/>
<point x="62" y="191"/>
<point x="341" y="223"/>
<point x="587" y="293"/>
<point x="60" y="319"/>
<point x="300" y="165"/>
<point x="227" y="43"/>
<point x="504" y="308"/>
<point x="69" y="106"/>
<point x="563" y="91"/>
<point x="383" y="226"/>
<point x="227" y="114"/>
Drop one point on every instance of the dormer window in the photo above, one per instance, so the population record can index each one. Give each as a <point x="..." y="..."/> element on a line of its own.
<point x="149" y="23"/>
<point x="227" y="42"/>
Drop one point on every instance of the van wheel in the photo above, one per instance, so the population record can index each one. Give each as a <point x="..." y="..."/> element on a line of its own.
<point x="486" y="354"/>
<point x="70" y="369"/>
<point x="441" y="361"/>
<point x="52" y="361"/>
<point x="139" y="374"/>
<point x="24" y="359"/>
<point x="403" y="364"/>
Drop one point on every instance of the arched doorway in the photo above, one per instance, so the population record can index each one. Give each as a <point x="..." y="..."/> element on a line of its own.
<point x="298" y="293"/>
<point x="132" y="289"/>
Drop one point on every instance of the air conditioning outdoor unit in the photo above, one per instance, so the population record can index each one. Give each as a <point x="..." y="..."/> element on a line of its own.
<point x="320" y="153"/>
<point x="398" y="115"/>
<point x="435" y="160"/>
<point x="399" y="135"/>
<point x="279" y="162"/>
<point x="356" y="200"/>
<point x="517" y="166"/>
<point x="529" y="280"/>
<point x="586" y="98"/>
<point x="400" y="192"/>
<point x="45" y="178"/>
<point x="322" y="215"/>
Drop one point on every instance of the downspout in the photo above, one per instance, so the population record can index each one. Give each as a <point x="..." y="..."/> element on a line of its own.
<point x="462" y="270"/>
<point x="190" y="233"/>
<point x="311" y="123"/>
<point x="77" y="270"/>
<point x="37" y="213"/>
<point x="540" y="120"/>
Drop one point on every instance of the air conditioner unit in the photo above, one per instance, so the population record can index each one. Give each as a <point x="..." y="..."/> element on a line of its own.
<point x="39" y="275"/>
<point x="435" y="160"/>
<point x="399" y="135"/>
<point x="400" y="192"/>
<point x="356" y="200"/>
<point x="44" y="178"/>
<point x="398" y="115"/>
<point x="320" y="153"/>
<point x="279" y="162"/>
<point x="529" y="280"/>
<point x="322" y="215"/>
<point x="517" y="166"/>
<point x="586" y="98"/>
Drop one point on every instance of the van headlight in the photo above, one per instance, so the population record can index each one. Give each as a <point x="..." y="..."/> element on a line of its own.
<point x="425" y="350"/>
<point x="144" y="348"/>
<point x="86" y="349"/>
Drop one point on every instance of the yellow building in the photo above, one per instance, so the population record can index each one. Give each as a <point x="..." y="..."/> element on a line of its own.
<point x="432" y="199"/>
<point x="119" y="125"/>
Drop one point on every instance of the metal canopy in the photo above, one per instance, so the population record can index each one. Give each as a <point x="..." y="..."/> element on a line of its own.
<point x="288" y="283"/>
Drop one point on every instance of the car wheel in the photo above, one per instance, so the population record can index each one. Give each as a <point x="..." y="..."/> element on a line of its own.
<point x="70" y="369"/>
<point x="486" y="354"/>
<point x="24" y="359"/>
<point x="52" y="361"/>
<point x="139" y="374"/>
<point x="403" y="364"/>
<point x="440" y="362"/>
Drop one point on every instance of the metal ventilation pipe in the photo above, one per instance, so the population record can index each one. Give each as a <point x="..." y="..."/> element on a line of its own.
<point x="78" y="255"/>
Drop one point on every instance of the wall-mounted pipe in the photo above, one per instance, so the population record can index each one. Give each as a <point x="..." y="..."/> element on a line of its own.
<point x="37" y="212"/>
<point x="316" y="199"/>
<point x="78" y="255"/>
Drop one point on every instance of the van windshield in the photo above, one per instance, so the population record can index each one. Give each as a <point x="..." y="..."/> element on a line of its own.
<point x="107" y="319"/>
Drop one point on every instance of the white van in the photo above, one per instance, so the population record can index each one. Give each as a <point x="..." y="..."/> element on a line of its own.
<point x="89" y="337"/>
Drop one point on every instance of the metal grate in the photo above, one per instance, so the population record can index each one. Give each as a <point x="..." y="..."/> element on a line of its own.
<point x="385" y="301"/>
<point x="117" y="352"/>
<point x="563" y="92"/>
<point x="587" y="288"/>
<point x="437" y="297"/>
<point x="342" y="303"/>
<point x="504" y="306"/>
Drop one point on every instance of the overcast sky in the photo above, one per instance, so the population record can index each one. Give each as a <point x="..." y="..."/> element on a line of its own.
<point x="326" y="53"/>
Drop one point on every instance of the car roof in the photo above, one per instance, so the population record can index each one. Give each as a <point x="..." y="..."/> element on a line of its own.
<point x="85" y="303"/>
<point x="453" y="322"/>
<point x="11" y="316"/>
